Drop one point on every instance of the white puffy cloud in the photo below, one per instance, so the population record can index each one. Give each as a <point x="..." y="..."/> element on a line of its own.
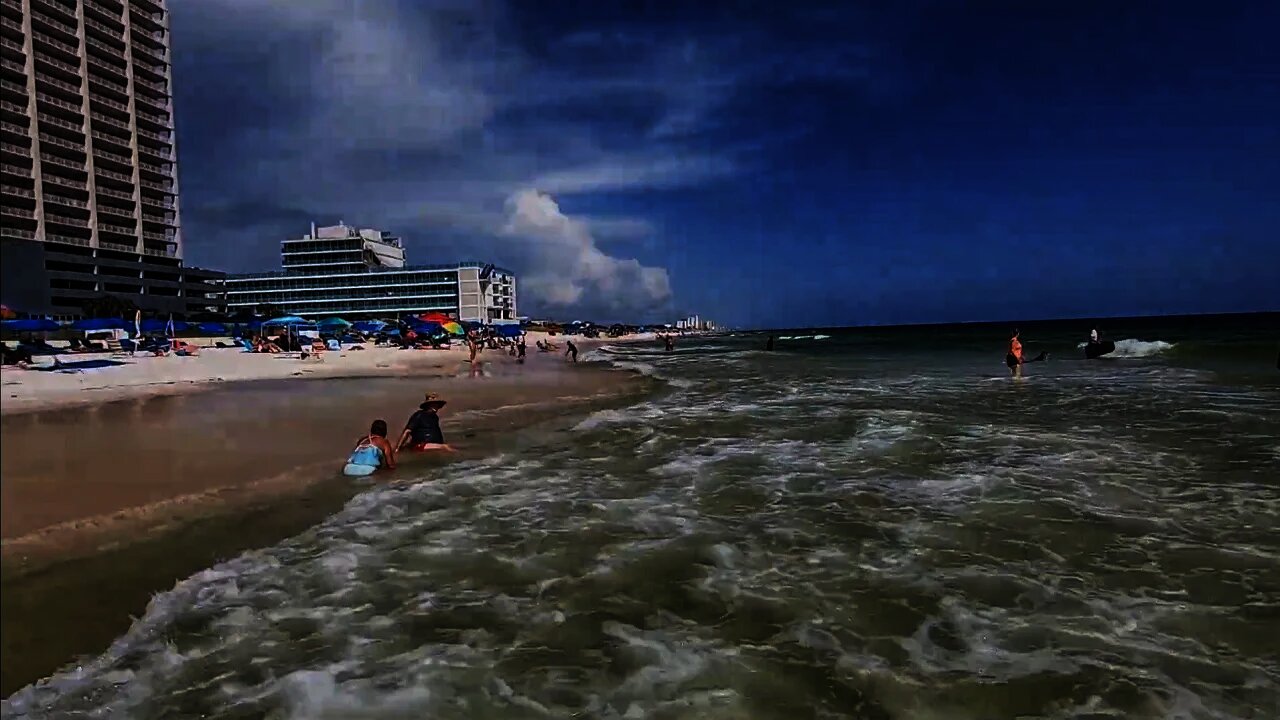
<point x="565" y="266"/>
<point x="432" y="120"/>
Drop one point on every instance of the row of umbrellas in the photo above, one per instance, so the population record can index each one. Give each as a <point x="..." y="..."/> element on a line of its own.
<point x="429" y="323"/>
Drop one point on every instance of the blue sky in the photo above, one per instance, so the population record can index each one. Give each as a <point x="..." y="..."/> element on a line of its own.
<point x="764" y="164"/>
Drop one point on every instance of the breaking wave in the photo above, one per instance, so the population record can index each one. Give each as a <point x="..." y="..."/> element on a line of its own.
<point x="1132" y="348"/>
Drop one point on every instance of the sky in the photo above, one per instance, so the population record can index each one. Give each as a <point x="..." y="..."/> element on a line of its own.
<point x="763" y="164"/>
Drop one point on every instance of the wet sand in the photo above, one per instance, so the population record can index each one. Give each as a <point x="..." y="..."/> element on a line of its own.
<point x="105" y="505"/>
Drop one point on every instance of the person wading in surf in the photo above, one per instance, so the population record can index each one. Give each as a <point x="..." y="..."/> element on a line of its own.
<point x="1014" y="358"/>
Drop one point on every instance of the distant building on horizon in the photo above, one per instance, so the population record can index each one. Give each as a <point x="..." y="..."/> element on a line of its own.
<point x="342" y="271"/>
<point x="695" y="323"/>
<point x="88" y="161"/>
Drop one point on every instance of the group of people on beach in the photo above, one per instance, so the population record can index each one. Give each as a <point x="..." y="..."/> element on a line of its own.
<point x="422" y="433"/>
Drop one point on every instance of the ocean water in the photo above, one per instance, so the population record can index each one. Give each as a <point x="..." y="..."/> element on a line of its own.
<point x="857" y="525"/>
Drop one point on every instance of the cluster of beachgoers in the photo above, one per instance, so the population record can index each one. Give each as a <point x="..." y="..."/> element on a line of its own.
<point x="49" y="364"/>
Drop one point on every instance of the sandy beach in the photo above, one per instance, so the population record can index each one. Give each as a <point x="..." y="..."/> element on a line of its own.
<point x="143" y="375"/>
<point x="133" y="466"/>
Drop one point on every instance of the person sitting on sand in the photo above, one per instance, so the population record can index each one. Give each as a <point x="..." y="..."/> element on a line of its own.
<point x="372" y="451"/>
<point x="423" y="432"/>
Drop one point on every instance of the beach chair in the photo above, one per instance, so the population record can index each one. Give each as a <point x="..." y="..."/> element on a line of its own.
<point x="334" y="345"/>
<point x="182" y="348"/>
<point x="247" y="345"/>
<point x="316" y="351"/>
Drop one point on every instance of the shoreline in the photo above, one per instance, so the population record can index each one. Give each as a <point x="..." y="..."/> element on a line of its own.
<point x="140" y="549"/>
<point x="145" y="376"/>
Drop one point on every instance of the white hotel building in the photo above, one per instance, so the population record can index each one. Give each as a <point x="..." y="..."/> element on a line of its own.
<point x="361" y="273"/>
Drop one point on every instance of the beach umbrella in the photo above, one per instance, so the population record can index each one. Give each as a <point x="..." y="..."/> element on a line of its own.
<point x="30" y="325"/>
<point x="435" y="317"/>
<point x="213" y="328"/>
<point x="333" y="323"/>
<point x="155" y="325"/>
<point x="369" y="326"/>
<point x="99" y="324"/>
<point x="427" y="328"/>
<point x="453" y="328"/>
<point x="286" y="320"/>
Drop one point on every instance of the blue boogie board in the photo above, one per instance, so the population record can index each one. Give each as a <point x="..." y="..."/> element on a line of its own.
<point x="357" y="470"/>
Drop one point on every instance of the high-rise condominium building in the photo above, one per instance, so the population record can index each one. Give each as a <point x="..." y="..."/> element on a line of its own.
<point x="356" y="273"/>
<point x="88" y="163"/>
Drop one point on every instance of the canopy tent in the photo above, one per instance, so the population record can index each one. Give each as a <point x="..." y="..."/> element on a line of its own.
<point x="508" y="331"/>
<point x="213" y="328"/>
<point x="30" y="325"/>
<point x="91" y="324"/>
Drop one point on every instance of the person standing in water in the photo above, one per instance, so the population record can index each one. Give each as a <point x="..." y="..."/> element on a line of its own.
<point x="1014" y="358"/>
<point x="423" y="432"/>
<point x="473" y="347"/>
<point x="572" y="351"/>
<point x="1093" y="335"/>
<point x="671" y="343"/>
<point x="768" y="345"/>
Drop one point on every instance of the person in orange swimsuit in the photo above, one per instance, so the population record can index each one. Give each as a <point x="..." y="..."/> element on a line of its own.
<point x="1014" y="358"/>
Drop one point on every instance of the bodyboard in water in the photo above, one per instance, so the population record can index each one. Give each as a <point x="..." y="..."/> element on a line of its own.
<point x="356" y="470"/>
<point x="1098" y="349"/>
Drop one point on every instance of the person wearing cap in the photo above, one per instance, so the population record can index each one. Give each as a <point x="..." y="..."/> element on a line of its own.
<point x="423" y="429"/>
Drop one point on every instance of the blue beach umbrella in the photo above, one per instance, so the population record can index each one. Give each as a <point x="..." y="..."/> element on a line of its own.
<point x="157" y="325"/>
<point x="369" y="326"/>
<point x="100" y="324"/>
<point x="30" y="325"/>
<point x="426" y="328"/>
<point x="287" y="320"/>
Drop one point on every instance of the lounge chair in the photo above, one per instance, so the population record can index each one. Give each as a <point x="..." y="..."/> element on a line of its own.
<point x="182" y="348"/>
